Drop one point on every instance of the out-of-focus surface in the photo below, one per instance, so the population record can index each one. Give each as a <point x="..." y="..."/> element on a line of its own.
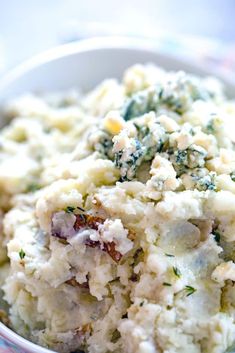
<point x="28" y="27"/>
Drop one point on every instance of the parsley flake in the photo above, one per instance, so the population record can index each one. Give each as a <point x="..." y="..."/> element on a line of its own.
<point x="166" y="284"/>
<point x="176" y="271"/>
<point x="33" y="187"/>
<point x="232" y="176"/>
<point x="210" y="127"/>
<point x="216" y="236"/>
<point x="21" y="254"/>
<point x="69" y="209"/>
<point x="169" y="255"/>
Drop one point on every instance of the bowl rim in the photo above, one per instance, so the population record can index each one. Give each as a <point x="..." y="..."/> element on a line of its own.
<point x="21" y="342"/>
<point x="101" y="43"/>
<point x="84" y="45"/>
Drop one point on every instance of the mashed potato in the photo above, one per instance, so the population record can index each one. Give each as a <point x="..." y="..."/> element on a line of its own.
<point x="117" y="214"/>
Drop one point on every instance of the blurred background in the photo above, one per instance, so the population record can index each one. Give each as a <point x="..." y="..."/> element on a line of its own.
<point x="200" y="30"/>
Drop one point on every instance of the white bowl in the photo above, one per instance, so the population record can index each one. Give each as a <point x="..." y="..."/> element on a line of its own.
<point x="84" y="64"/>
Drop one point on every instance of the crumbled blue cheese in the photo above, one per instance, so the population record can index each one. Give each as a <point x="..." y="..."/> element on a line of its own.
<point x="128" y="155"/>
<point x="176" y="92"/>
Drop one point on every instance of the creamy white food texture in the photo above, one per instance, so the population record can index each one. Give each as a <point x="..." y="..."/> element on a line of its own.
<point x="118" y="216"/>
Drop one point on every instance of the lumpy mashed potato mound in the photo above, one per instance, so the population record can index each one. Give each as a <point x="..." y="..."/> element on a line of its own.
<point x="118" y="216"/>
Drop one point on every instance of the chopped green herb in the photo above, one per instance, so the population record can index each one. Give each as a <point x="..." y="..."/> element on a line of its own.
<point x="21" y="254"/>
<point x="166" y="284"/>
<point x="176" y="271"/>
<point x="142" y="303"/>
<point x="136" y="126"/>
<point x="189" y="290"/>
<point x="216" y="236"/>
<point x="115" y="336"/>
<point x="232" y="176"/>
<point x="80" y="209"/>
<point x="160" y="145"/>
<point x="192" y="132"/>
<point x="210" y="127"/>
<point x="160" y="94"/>
<point x="169" y="255"/>
<point x="33" y="187"/>
<point x="70" y="209"/>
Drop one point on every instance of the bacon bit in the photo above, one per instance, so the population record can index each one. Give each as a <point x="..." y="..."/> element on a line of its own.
<point x="107" y="247"/>
<point x="72" y="282"/>
<point x="83" y="330"/>
<point x="110" y="249"/>
<point x="80" y="222"/>
<point x="92" y="243"/>
<point x="93" y="223"/>
<point x="87" y="221"/>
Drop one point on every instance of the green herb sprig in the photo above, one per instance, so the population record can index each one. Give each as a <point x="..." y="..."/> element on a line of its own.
<point x="189" y="290"/>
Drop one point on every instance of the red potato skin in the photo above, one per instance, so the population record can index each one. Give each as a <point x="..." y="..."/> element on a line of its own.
<point x="85" y="221"/>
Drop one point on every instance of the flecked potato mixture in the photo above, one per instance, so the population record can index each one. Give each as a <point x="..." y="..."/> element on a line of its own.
<point x="117" y="213"/>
